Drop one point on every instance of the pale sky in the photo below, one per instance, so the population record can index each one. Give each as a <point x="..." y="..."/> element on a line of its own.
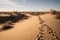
<point x="29" y="5"/>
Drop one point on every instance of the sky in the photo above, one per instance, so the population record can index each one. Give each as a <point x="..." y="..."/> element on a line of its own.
<point x="29" y="5"/>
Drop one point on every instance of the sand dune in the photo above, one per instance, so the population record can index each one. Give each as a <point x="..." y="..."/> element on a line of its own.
<point x="25" y="30"/>
<point x="28" y="29"/>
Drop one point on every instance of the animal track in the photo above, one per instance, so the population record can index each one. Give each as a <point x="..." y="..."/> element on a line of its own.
<point x="49" y="31"/>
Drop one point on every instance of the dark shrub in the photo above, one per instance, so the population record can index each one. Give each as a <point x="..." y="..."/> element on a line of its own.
<point x="3" y="19"/>
<point x="53" y="12"/>
<point x="58" y="15"/>
<point x="7" y="27"/>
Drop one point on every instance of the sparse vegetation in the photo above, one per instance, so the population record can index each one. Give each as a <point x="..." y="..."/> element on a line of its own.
<point x="13" y="18"/>
<point x="58" y="15"/>
<point x="53" y="11"/>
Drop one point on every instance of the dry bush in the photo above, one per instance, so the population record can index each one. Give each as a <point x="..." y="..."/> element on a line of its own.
<point x="58" y="15"/>
<point x="53" y="11"/>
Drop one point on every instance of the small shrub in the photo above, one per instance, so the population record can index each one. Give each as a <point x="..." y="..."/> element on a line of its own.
<point x="7" y="27"/>
<point x="58" y="15"/>
<point x="53" y="12"/>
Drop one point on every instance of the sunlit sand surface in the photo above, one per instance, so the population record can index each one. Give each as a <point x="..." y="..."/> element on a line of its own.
<point x="28" y="29"/>
<point x="25" y="30"/>
<point x="54" y="24"/>
<point x="51" y="21"/>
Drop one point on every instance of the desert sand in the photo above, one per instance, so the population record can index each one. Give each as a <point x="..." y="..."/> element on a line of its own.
<point x="29" y="29"/>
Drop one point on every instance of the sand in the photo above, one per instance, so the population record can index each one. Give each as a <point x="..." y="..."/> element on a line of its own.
<point x="28" y="29"/>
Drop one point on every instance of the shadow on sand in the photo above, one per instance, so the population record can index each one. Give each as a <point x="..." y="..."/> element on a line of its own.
<point x="12" y="19"/>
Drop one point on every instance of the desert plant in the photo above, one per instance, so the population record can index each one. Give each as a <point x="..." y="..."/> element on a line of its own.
<point x="58" y="15"/>
<point x="53" y="11"/>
